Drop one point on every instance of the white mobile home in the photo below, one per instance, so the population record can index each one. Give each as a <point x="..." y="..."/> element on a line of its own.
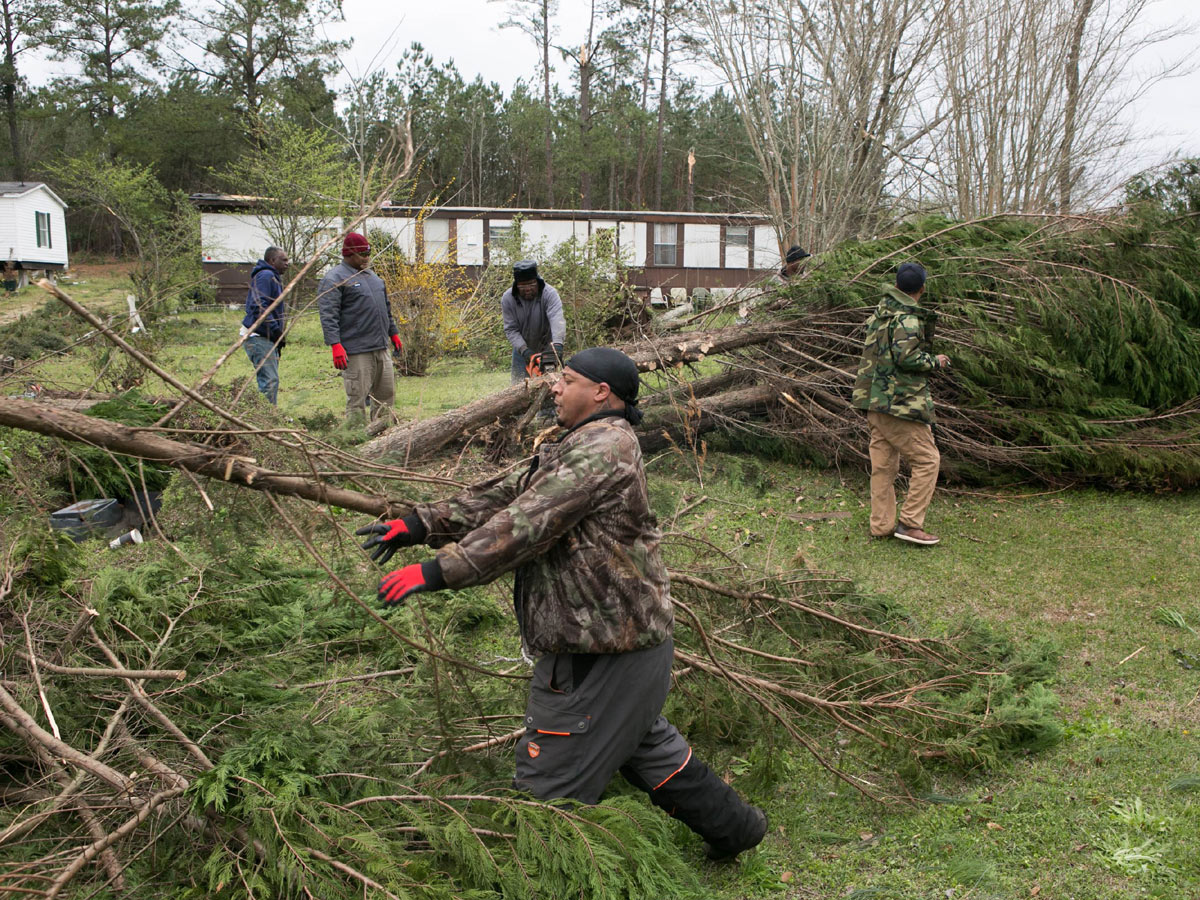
<point x="33" y="230"/>
<point x="665" y="251"/>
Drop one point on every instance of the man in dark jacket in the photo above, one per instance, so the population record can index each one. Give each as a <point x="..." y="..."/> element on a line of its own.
<point x="593" y="605"/>
<point x="265" y="340"/>
<point x="893" y="388"/>
<point x="356" y="319"/>
<point x="533" y="320"/>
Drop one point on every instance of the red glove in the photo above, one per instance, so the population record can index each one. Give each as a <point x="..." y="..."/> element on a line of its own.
<point x="339" y="357"/>
<point x="397" y="585"/>
<point x="396" y="342"/>
<point x="425" y="576"/>
<point x="387" y="537"/>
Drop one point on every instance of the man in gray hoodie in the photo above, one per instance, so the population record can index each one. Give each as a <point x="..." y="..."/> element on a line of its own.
<point x="356" y="319"/>
<point x="533" y="320"/>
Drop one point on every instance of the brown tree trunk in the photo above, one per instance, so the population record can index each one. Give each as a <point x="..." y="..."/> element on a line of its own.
<point x="681" y="426"/>
<point x="639" y="187"/>
<point x="1066" y="153"/>
<point x="549" y="130"/>
<point x="9" y="80"/>
<point x="662" y="105"/>
<point x="411" y="443"/>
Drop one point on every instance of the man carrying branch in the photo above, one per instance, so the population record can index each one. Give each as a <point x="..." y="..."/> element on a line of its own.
<point x="893" y="387"/>
<point x="593" y="605"/>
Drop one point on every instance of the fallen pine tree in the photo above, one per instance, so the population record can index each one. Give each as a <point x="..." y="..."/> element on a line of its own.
<point x="1075" y="344"/>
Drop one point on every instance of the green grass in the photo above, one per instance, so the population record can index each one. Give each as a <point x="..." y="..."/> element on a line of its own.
<point x="1086" y="568"/>
<point x="1112" y="811"/>
<point x="188" y="344"/>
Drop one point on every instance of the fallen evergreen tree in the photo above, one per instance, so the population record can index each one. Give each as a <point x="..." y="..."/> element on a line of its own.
<point x="1075" y="343"/>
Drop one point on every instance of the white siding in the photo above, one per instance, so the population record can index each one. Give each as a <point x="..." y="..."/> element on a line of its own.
<point x="601" y="224"/>
<point x="8" y="228"/>
<point x="632" y="237"/>
<point x="552" y="232"/>
<point x="702" y="246"/>
<point x="766" y="247"/>
<point x="232" y="237"/>
<point x="19" y="230"/>
<point x="402" y="231"/>
<point x="470" y="242"/>
<point x="436" y="233"/>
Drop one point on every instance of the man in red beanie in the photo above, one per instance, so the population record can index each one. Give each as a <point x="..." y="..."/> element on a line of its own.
<point x="356" y="319"/>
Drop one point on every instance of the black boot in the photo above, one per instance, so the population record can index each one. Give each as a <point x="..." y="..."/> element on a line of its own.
<point x="704" y="803"/>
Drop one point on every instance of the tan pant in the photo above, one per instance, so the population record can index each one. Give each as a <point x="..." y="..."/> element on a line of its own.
<point x="369" y="377"/>
<point x="891" y="439"/>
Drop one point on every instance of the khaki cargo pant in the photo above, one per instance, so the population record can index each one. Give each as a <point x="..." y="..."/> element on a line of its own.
<point x="893" y="438"/>
<point x="369" y="377"/>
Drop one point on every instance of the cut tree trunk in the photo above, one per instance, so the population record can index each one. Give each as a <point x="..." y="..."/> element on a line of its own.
<point x="410" y="443"/>
<point x="680" y="427"/>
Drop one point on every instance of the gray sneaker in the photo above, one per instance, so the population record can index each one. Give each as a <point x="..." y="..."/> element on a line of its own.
<point x="916" y="536"/>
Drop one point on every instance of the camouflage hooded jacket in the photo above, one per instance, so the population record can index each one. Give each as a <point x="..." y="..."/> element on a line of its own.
<point x="893" y="376"/>
<point x="576" y="526"/>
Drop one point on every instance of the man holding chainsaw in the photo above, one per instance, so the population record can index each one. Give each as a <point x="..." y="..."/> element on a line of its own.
<point x="593" y="603"/>
<point x="533" y="322"/>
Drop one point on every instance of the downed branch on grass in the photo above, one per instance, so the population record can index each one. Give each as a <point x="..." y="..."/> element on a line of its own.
<point x="201" y="459"/>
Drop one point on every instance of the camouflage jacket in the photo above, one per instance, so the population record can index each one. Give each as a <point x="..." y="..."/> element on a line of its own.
<point x="893" y="376"/>
<point x="576" y="526"/>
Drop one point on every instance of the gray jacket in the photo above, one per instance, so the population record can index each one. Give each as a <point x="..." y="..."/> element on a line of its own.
<point x="354" y="310"/>
<point x="534" y="324"/>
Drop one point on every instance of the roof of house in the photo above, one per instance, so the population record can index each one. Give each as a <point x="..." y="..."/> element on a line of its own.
<point x="20" y="188"/>
<point x="233" y="202"/>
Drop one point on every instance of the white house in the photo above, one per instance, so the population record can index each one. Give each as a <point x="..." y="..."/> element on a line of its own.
<point x="33" y="230"/>
<point x="666" y="251"/>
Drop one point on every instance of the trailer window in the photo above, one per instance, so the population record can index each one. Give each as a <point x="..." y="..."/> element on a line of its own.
<point x="665" y="237"/>
<point x="43" y="228"/>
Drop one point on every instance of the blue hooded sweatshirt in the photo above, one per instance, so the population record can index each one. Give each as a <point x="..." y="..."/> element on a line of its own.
<point x="265" y="286"/>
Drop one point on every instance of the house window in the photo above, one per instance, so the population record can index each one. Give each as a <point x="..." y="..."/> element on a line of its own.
<point x="43" y="229"/>
<point x="665" y="237"/>
<point x="737" y="246"/>
<point x="499" y="233"/>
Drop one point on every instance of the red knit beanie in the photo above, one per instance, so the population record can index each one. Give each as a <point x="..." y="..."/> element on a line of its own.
<point x="355" y="243"/>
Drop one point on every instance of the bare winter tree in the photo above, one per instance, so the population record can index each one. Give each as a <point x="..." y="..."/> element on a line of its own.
<point x="829" y="94"/>
<point x="1035" y="96"/>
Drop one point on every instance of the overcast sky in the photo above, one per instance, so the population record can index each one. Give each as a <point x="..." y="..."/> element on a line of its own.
<point x="467" y="31"/>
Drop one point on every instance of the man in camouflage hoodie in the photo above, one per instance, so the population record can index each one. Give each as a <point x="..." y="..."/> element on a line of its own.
<point x="593" y="605"/>
<point x="893" y="387"/>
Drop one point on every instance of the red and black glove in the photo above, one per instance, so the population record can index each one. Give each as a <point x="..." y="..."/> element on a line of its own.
<point x="396" y="586"/>
<point x="397" y="343"/>
<point x="339" y="356"/>
<point x="388" y="537"/>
